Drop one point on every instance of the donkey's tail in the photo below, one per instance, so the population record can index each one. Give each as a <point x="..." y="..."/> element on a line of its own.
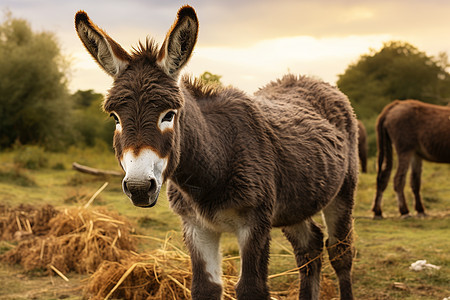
<point x="385" y="160"/>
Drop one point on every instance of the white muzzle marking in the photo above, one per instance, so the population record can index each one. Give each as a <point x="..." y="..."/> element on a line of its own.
<point x="140" y="169"/>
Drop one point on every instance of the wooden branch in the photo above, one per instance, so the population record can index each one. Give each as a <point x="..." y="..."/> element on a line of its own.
<point x="93" y="171"/>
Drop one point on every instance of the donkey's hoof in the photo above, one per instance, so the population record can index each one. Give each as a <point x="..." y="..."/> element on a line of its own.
<point x="422" y="215"/>
<point x="405" y="216"/>
<point x="378" y="217"/>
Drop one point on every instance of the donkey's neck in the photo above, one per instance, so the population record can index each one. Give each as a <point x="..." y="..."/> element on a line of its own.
<point x="203" y="154"/>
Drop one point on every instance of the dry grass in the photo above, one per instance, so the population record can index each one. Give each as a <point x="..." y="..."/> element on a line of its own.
<point x="75" y="239"/>
<point x="166" y="274"/>
<point x="160" y="274"/>
<point x="157" y="275"/>
<point x="25" y="220"/>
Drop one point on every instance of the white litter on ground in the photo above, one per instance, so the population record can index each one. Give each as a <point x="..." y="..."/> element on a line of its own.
<point x="422" y="265"/>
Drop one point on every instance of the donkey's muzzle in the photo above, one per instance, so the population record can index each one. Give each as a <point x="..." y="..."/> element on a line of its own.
<point x="143" y="193"/>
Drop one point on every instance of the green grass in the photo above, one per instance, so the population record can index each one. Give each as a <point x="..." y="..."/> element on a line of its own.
<point x="17" y="285"/>
<point x="384" y="249"/>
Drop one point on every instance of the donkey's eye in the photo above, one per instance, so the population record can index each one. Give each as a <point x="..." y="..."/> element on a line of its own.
<point x="165" y="120"/>
<point x="168" y="117"/>
<point x="115" y="118"/>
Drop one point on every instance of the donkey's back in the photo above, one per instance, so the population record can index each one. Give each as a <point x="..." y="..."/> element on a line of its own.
<point x="415" y="126"/>
<point x="313" y="97"/>
<point x="317" y="130"/>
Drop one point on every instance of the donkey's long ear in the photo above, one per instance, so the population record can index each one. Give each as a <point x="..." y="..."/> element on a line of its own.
<point x="109" y="55"/>
<point x="179" y="43"/>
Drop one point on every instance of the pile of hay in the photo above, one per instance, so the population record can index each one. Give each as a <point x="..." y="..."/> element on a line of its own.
<point x="25" y="220"/>
<point x="165" y="274"/>
<point x="160" y="274"/>
<point x="76" y="239"/>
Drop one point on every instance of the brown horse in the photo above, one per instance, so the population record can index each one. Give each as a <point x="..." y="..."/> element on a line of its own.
<point x="362" y="146"/>
<point x="418" y="131"/>
<point x="234" y="163"/>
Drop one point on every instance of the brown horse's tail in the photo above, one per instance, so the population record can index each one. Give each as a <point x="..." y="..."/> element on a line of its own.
<point x="385" y="160"/>
<point x="384" y="149"/>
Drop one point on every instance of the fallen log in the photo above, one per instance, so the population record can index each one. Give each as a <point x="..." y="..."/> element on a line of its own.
<point x="93" y="171"/>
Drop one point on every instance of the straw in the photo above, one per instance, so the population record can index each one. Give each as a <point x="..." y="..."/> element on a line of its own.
<point x="96" y="194"/>
<point x="59" y="273"/>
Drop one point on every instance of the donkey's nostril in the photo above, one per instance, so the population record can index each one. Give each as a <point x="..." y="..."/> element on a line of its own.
<point x="125" y="188"/>
<point x="152" y="187"/>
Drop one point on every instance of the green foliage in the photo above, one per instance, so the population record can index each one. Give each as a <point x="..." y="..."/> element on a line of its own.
<point x="91" y="125"/>
<point x="398" y="71"/>
<point x="211" y="78"/>
<point x="84" y="99"/>
<point x="369" y="124"/>
<point x="30" y="157"/>
<point x="34" y="106"/>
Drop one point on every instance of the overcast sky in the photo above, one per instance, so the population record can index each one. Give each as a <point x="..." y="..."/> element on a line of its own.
<point x="248" y="42"/>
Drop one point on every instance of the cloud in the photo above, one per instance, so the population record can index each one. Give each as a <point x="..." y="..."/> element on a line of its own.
<point x="224" y="23"/>
<point x="252" y="67"/>
<point x="249" y="42"/>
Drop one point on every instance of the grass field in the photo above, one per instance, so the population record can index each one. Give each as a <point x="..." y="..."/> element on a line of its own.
<point x="384" y="249"/>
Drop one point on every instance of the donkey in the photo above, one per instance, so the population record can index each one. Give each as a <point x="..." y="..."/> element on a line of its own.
<point x="362" y="146"/>
<point x="233" y="163"/>
<point x="418" y="131"/>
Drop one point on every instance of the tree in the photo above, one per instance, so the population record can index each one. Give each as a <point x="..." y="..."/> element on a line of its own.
<point x="398" y="71"/>
<point x="83" y="99"/>
<point x="34" y="101"/>
<point x="90" y="123"/>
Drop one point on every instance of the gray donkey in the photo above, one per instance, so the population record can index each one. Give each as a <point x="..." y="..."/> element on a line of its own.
<point x="233" y="163"/>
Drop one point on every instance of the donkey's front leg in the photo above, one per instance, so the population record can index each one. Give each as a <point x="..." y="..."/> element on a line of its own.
<point x="203" y="245"/>
<point x="254" y="244"/>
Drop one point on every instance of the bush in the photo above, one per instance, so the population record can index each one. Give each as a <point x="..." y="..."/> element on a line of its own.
<point x="90" y="123"/>
<point x="16" y="176"/>
<point x="30" y="157"/>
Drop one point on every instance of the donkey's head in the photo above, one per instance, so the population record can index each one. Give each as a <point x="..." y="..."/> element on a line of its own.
<point x="145" y="101"/>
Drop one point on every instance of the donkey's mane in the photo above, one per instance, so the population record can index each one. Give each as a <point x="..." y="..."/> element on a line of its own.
<point x="201" y="89"/>
<point x="147" y="50"/>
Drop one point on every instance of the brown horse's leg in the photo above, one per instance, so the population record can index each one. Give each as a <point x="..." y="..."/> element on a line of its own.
<point x="203" y="245"/>
<point x="307" y="240"/>
<point x="416" y="172"/>
<point x="382" y="183"/>
<point x="254" y="246"/>
<point x="404" y="160"/>
<point x="338" y="217"/>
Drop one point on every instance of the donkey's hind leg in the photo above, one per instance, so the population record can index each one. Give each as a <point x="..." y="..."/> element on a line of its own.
<point x="307" y="240"/>
<point x="338" y="218"/>
<point x="404" y="159"/>
<point x="416" y="172"/>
